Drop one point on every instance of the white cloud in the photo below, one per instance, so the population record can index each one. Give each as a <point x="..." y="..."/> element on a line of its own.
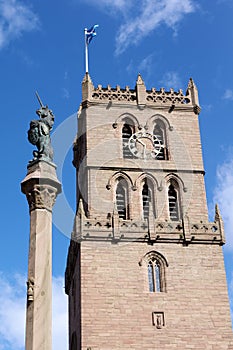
<point x="15" y="19"/>
<point x="66" y="75"/>
<point x="171" y="80"/>
<point x="142" y="17"/>
<point x="223" y="195"/>
<point x="151" y="15"/>
<point x="207" y="107"/>
<point x="130" y="67"/>
<point x="228" y="95"/>
<point x="65" y="93"/>
<point x="112" y="5"/>
<point x="13" y="312"/>
<point x="146" y="64"/>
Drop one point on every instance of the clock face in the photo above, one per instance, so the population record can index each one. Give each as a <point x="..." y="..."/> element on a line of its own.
<point x="144" y="145"/>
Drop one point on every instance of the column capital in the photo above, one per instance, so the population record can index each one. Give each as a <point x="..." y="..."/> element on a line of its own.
<point x="41" y="185"/>
<point x="41" y="197"/>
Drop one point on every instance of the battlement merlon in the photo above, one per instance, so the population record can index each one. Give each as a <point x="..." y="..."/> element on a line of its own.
<point x="140" y="96"/>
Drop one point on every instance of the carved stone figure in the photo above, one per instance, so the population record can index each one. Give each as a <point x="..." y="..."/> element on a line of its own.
<point x="39" y="133"/>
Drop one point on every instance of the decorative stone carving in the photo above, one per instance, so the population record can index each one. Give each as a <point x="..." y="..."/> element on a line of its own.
<point x="116" y="94"/>
<point x="183" y="232"/>
<point x="30" y="289"/>
<point x="41" y="197"/>
<point x="165" y="97"/>
<point x="140" y="96"/>
<point x="39" y="133"/>
<point x="171" y="97"/>
<point x="158" y="319"/>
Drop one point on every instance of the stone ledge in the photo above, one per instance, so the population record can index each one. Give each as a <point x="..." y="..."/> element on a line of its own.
<point x="116" y="230"/>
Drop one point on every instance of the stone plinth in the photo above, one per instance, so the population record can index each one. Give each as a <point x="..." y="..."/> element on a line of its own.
<point x="41" y="187"/>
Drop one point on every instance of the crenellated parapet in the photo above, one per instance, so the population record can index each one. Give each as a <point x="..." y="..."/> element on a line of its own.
<point x="140" y="96"/>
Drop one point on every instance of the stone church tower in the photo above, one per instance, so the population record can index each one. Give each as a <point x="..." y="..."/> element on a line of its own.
<point x="145" y="266"/>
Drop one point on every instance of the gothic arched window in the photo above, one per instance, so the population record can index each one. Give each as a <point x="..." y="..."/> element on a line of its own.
<point x="160" y="132"/>
<point x="156" y="265"/>
<point x="147" y="199"/>
<point x="122" y="198"/>
<point x="154" y="276"/>
<point x="126" y="134"/>
<point x="173" y="202"/>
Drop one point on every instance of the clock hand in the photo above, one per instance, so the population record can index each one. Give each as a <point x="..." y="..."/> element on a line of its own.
<point x="142" y="143"/>
<point x="144" y="152"/>
<point x="144" y="147"/>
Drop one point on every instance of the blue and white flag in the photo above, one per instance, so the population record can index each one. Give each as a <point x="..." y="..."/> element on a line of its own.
<point x="91" y="33"/>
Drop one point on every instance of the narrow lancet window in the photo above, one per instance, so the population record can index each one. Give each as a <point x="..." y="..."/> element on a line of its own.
<point x="150" y="277"/>
<point x="146" y="200"/>
<point x="156" y="265"/>
<point x="121" y="199"/>
<point x="173" y="203"/>
<point x="157" y="276"/>
<point x="154" y="276"/>
<point x="159" y="132"/>
<point x="126" y="134"/>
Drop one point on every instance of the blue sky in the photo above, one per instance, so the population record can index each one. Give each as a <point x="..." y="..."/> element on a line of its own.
<point x="42" y="48"/>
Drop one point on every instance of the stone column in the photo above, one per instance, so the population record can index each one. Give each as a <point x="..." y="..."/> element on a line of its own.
<point x="41" y="187"/>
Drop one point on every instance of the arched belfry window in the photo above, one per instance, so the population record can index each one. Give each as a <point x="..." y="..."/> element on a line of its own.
<point x="156" y="270"/>
<point x="160" y="133"/>
<point x="122" y="198"/>
<point x="147" y="199"/>
<point x="127" y="132"/>
<point x="174" y="201"/>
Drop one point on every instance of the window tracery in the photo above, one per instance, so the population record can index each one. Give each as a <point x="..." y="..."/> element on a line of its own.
<point x="154" y="276"/>
<point x="156" y="265"/>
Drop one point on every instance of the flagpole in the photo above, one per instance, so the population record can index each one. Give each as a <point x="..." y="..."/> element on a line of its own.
<point x="86" y="50"/>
